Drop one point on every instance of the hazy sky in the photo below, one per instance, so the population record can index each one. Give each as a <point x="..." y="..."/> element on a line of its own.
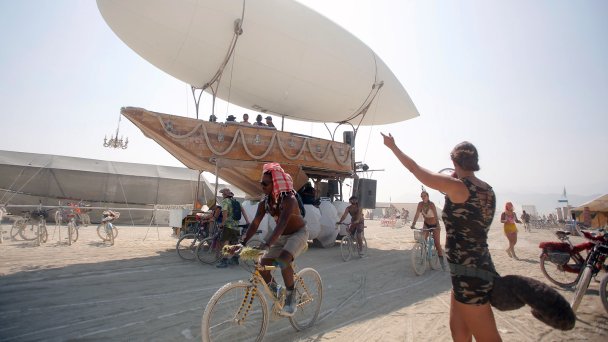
<point x="525" y="81"/>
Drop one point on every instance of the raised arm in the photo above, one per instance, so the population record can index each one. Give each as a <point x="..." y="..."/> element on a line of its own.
<point x="453" y="187"/>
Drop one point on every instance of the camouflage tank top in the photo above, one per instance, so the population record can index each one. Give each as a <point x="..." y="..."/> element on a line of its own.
<point x="467" y="225"/>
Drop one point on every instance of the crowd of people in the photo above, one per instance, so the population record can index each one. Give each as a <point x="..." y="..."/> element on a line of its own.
<point x="245" y="120"/>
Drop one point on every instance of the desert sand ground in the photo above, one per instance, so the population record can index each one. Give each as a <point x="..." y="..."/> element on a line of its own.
<point x="140" y="290"/>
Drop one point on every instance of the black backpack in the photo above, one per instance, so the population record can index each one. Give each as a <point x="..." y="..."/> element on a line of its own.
<point x="301" y="204"/>
<point x="236" y="210"/>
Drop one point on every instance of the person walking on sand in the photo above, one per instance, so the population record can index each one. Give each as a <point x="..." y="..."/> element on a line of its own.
<point x="290" y="236"/>
<point x="525" y="217"/>
<point x="508" y="217"/>
<point x="469" y="208"/>
<point x="357" y="223"/>
<point x="427" y="209"/>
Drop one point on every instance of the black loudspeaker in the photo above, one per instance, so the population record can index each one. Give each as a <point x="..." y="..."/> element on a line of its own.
<point x="323" y="189"/>
<point x="333" y="187"/>
<point x="349" y="138"/>
<point x="366" y="192"/>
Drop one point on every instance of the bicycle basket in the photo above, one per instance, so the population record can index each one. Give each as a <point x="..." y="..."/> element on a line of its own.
<point x="558" y="258"/>
<point x="418" y="236"/>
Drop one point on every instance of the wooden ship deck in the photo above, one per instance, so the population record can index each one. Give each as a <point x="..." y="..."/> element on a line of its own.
<point x="236" y="152"/>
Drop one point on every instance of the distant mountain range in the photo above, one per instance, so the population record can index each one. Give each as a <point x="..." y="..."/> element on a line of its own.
<point x="545" y="203"/>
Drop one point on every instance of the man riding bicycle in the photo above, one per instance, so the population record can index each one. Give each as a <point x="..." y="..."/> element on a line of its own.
<point x="357" y="223"/>
<point x="290" y="236"/>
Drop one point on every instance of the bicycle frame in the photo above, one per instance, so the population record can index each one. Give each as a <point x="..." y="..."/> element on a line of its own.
<point x="256" y="281"/>
<point x="430" y="244"/>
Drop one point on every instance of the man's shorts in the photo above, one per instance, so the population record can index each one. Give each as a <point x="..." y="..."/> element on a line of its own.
<point x="295" y="244"/>
<point x="356" y="227"/>
<point x="230" y="235"/>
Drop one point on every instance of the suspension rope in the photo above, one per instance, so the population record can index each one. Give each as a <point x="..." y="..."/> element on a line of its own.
<point x="238" y="30"/>
<point x="239" y="133"/>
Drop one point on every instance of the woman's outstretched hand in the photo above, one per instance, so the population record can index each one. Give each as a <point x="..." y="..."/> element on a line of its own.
<point x="389" y="141"/>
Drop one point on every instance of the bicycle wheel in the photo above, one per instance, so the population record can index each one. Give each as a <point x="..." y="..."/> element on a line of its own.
<point x="558" y="274"/>
<point x="581" y="288"/>
<point x="44" y="234"/>
<point x="418" y="258"/>
<point x="346" y="247"/>
<point x="604" y="292"/>
<point x="74" y="232"/>
<point x="434" y="258"/>
<point x="101" y="231"/>
<point x="208" y="251"/>
<point x="111" y="233"/>
<point x="236" y="312"/>
<point x="309" y="297"/>
<point x="186" y="247"/>
<point x="29" y="231"/>
<point x="363" y="247"/>
<point x="103" y="234"/>
<point x="17" y="226"/>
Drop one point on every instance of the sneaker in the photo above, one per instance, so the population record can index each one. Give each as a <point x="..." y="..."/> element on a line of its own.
<point x="222" y="264"/>
<point x="234" y="260"/>
<point x="290" y="304"/>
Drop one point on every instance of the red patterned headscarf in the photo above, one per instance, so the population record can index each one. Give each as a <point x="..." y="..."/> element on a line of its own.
<point x="281" y="180"/>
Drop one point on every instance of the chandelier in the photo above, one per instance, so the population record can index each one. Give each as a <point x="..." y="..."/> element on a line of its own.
<point x="114" y="141"/>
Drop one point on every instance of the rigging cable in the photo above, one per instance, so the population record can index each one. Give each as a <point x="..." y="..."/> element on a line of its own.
<point x="238" y="30"/>
<point x="29" y="180"/>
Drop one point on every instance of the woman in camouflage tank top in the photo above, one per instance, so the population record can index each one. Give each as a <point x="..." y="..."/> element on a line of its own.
<point x="467" y="215"/>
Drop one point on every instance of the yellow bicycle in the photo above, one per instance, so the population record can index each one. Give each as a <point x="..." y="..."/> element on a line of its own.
<point x="238" y="311"/>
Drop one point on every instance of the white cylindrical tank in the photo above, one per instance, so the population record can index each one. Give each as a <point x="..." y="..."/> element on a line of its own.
<point x="340" y="207"/>
<point x="312" y="217"/>
<point x="329" y="217"/>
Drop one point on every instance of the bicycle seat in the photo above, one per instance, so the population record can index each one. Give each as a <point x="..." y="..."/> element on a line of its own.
<point x="562" y="232"/>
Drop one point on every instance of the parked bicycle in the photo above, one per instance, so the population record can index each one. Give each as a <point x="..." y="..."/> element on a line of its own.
<point x="106" y="230"/>
<point x="238" y="311"/>
<point x="424" y="252"/>
<point x="593" y="265"/>
<point x="2" y="213"/>
<point x="562" y="262"/>
<point x="209" y="250"/>
<point x="187" y="244"/>
<point x="70" y="216"/>
<point x="72" y="229"/>
<point x="349" y="245"/>
<point x="31" y="226"/>
<point x="604" y="292"/>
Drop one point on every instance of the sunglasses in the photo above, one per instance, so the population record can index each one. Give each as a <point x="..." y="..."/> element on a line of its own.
<point x="264" y="183"/>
